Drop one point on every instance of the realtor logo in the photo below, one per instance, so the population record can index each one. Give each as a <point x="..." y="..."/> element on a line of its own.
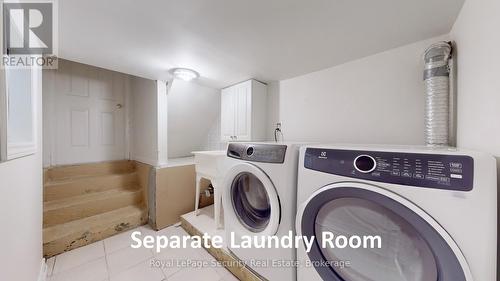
<point x="28" y="34"/>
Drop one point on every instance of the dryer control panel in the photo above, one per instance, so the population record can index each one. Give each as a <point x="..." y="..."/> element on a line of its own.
<point x="442" y="171"/>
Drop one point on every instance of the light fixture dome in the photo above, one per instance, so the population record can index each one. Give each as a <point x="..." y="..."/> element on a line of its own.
<point x="185" y="74"/>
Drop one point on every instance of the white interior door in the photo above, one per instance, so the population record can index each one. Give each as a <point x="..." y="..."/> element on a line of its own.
<point x="89" y="115"/>
<point x="227" y="114"/>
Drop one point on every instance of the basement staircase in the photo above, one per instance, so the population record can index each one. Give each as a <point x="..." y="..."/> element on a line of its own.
<point x="89" y="202"/>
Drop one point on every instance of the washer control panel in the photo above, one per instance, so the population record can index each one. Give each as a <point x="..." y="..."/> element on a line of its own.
<point x="442" y="171"/>
<point x="266" y="153"/>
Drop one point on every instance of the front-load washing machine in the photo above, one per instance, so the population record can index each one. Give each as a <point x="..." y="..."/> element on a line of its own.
<point x="259" y="198"/>
<point x="434" y="212"/>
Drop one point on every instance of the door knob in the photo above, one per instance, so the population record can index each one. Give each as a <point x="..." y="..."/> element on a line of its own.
<point x="119" y="105"/>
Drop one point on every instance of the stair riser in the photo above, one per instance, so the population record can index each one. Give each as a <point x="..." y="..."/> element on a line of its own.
<point x="92" y="234"/>
<point x="87" y="209"/>
<point x="94" y="169"/>
<point x="88" y="185"/>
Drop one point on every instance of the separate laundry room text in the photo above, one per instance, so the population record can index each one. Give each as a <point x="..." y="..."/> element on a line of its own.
<point x="326" y="240"/>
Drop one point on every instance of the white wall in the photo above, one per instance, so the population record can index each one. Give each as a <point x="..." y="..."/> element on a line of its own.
<point x="21" y="210"/>
<point x="193" y="118"/>
<point x="377" y="99"/>
<point x="162" y="121"/>
<point x="143" y="121"/>
<point x="476" y="33"/>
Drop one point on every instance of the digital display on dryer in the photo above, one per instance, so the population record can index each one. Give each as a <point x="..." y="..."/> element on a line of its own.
<point x="452" y="172"/>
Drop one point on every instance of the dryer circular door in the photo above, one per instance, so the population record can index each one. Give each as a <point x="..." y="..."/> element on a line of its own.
<point x="251" y="199"/>
<point x="414" y="247"/>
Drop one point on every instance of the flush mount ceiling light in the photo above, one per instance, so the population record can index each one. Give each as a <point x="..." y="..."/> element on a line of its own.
<point x="185" y="74"/>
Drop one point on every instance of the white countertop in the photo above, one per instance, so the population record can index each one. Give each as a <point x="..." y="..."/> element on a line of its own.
<point x="181" y="161"/>
<point x="211" y="152"/>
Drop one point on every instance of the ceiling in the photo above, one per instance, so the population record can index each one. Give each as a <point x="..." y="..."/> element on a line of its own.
<point x="228" y="41"/>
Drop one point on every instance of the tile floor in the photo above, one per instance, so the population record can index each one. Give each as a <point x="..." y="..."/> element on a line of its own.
<point x="113" y="259"/>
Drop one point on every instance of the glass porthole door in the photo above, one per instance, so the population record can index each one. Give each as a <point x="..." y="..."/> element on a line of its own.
<point x="250" y="202"/>
<point x="253" y="199"/>
<point x="414" y="246"/>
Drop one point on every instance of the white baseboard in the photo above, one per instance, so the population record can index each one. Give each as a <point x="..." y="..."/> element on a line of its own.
<point x="42" y="276"/>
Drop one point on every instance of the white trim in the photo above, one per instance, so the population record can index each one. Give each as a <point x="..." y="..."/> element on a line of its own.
<point x="405" y="202"/>
<point x="232" y="219"/>
<point x="162" y="122"/>
<point x="42" y="275"/>
<point x="3" y="114"/>
<point x="48" y="117"/>
<point x="16" y="150"/>
<point x="127" y="101"/>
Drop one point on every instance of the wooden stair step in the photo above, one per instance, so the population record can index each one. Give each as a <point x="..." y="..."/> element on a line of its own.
<point x="77" y="207"/>
<point x="91" y="169"/>
<point x="66" y="188"/>
<point x="71" y="235"/>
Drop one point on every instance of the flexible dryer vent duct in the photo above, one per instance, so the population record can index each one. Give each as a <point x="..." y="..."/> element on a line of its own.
<point x="437" y="93"/>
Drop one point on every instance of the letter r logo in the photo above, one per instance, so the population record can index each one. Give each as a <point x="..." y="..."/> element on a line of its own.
<point x="27" y="28"/>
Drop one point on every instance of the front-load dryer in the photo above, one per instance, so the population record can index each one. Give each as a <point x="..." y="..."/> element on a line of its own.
<point x="259" y="199"/>
<point x="434" y="211"/>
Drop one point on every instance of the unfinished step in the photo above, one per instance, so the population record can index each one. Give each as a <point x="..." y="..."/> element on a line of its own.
<point x="77" y="207"/>
<point x="66" y="188"/>
<point x="92" y="169"/>
<point x="64" y="237"/>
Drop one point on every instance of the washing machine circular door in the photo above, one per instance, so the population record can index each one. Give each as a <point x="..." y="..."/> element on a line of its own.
<point x="413" y="246"/>
<point x="251" y="200"/>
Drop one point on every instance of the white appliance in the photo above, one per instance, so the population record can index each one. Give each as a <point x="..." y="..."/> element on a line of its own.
<point x="259" y="199"/>
<point x="435" y="211"/>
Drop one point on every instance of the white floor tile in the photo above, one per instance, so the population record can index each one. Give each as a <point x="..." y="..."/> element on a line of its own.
<point x="78" y="257"/>
<point x="197" y="273"/>
<point x="225" y="274"/>
<point x="114" y="259"/>
<point x="177" y="253"/>
<point x="127" y="257"/>
<point x="91" y="271"/>
<point x="118" y="242"/>
<point x="169" y="270"/>
<point x="171" y="231"/>
<point x="176" y="259"/>
<point x="123" y="240"/>
<point x="143" y="271"/>
<point x="187" y="252"/>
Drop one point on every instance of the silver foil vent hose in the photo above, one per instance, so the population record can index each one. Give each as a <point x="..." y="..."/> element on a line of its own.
<point x="437" y="93"/>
